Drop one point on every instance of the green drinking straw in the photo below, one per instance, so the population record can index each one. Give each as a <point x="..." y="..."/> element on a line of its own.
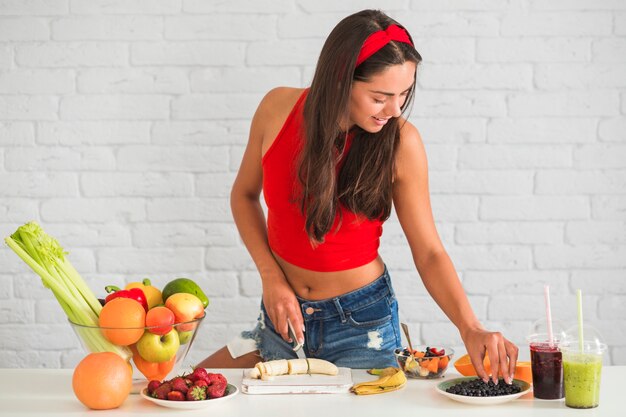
<point x="579" y="296"/>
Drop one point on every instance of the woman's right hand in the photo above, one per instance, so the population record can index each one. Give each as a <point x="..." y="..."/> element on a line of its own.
<point x="281" y="304"/>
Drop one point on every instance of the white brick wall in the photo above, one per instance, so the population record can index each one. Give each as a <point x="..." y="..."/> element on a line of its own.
<point x="122" y="124"/>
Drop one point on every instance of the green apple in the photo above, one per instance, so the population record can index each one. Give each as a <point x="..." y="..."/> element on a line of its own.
<point x="156" y="348"/>
<point x="184" y="337"/>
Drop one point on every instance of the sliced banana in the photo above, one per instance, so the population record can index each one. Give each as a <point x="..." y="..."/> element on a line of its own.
<point x="269" y="370"/>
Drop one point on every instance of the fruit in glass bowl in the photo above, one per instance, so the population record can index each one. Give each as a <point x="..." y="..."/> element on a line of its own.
<point x="425" y="362"/>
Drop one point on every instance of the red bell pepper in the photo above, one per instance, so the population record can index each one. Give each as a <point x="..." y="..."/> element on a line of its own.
<point x="136" y="294"/>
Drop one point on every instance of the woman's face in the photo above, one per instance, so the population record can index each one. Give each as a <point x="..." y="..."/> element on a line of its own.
<point x="374" y="102"/>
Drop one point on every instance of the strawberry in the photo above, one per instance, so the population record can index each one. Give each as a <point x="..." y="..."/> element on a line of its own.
<point x="196" y="393"/>
<point x="201" y="383"/>
<point x="213" y="378"/>
<point x="198" y="373"/>
<point x="216" y="390"/>
<point x="179" y="384"/>
<point x="162" y="391"/>
<point x="152" y="385"/>
<point x="175" y="396"/>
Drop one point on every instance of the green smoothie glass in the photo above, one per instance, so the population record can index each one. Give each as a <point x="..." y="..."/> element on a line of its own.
<point x="581" y="373"/>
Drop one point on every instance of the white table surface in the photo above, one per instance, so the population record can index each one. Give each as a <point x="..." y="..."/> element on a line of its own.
<point x="38" y="392"/>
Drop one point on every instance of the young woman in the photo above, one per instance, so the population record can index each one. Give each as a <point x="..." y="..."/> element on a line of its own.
<point x="331" y="161"/>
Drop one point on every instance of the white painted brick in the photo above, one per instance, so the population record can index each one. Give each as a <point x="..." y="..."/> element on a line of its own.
<point x="37" y="82"/>
<point x="584" y="182"/>
<point x="6" y="287"/>
<point x="490" y="258"/>
<point x="93" y="133"/>
<point x="214" y="184"/>
<point x="45" y="158"/>
<point x="26" y="358"/>
<point x="45" y="337"/>
<point x="608" y="207"/>
<point x="534" y="49"/>
<point x="23" y="29"/>
<point x="600" y="281"/>
<point x="107" y="28"/>
<point x="26" y="284"/>
<point x="475" y="77"/>
<point x="189" y="133"/>
<point x="243" y="80"/>
<point x="28" y="107"/>
<point x="137" y="81"/>
<point x="71" y="358"/>
<point x="509" y="233"/>
<point x="618" y="355"/>
<point x="524" y="208"/>
<point x="308" y="25"/>
<point x="220" y="27"/>
<point x="188" y="53"/>
<point x="611" y="308"/>
<point x="145" y="184"/>
<point x="541" y="130"/>
<point x="118" y="107"/>
<point x="49" y="311"/>
<point x="236" y="155"/>
<point x="183" y="159"/>
<point x="454" y="208"/>
<point x="6" y="56"/>
<point x="33" y="7"/>
<point x="16" y="134"/>
<point x="180" y="234"/>
<point x="604" y="233"/>
<point x="514" y="330"/>
<point x="612" y="130"/>
<point x="72" y="54"/>
<point x="532" y="307"/>
<point x="97" y="210"/>
<point x="450" y="130"/>
<point x="514" y="157"/>
<point x="180" y="209"/>
<point x="481" y="182"/>
<point x="459" y="104"/>
<point x="445" y="50"/>
<point x="284" y="52"/>
<point x="215" y="106"/>
<point x="609" y="50"/>
<point x="240" y="6"/>
<point x="101" y="7"/>
<point x="17" y="311"/>
<point x="349" y="6"/>
<point x="435" y="24"/>
<point x="495" y="283"/>
<point x="408" y="283"/>
<point x="562" y="23"/>
<point x="455" y="5"/>
<point x="219" y="284"/>
<point x="613" y="332"/>
<point x="600" y="156"/>
<point x="585" y="257"/>
<point x="397" y="258"/>
<point x="38" y="184"/>
<point x="251" y="284"/>
<point x="90" y="235"/>
<point x="147" y="261"/>
<point x="568" y="103"/>
<point x="439" y="334"/>
<point x="441" y="157"/>
<point x="579" y="77"/>
<point x="230" y="258"/>
<point x="577" y="4"/>
<point x="233" y="310"/>
<point x="620" y="24"/>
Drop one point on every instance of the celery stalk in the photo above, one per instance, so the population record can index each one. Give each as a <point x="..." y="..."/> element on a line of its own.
<point x="47" y="258"/>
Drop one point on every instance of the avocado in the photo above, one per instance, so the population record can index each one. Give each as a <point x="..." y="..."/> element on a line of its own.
<point x="184" y="285"/>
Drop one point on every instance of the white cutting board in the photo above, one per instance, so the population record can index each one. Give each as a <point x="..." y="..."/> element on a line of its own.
<point x="299" y="384"/>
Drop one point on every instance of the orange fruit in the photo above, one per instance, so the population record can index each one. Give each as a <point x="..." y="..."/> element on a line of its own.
<point x="152" y="370"/>
<point x="102" y="380"/>
<point x="123" y="321"/>
<point x="464" y="366"/>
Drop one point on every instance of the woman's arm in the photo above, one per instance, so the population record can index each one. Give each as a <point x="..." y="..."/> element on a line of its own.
<point x="278" y="296"/>
<point x="412" y="204"/>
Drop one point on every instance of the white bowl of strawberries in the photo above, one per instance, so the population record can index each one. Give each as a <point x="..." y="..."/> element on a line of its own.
<point x="196" y="390"/>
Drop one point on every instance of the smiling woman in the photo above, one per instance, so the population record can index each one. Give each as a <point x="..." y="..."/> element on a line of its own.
<point x="331" y="161"/>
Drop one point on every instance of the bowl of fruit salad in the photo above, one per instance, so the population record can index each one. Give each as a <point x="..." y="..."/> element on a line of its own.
<point x="425" y="362"/>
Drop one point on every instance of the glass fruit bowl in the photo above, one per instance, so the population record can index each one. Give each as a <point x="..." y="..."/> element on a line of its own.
<point x="155" y="353"/>
<point x="420" y="364"/>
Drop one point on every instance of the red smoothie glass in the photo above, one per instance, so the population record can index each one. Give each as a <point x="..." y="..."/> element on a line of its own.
<point x="546" y="362"/>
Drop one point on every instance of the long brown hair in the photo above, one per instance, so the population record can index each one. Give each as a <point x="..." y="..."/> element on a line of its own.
<point x="364" y="184"/>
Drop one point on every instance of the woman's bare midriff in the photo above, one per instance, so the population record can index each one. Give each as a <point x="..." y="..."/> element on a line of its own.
<point x="314" y="285"/>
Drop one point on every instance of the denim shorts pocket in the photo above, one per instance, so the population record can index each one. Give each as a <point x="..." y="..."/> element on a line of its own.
<point x="372" y="315"/>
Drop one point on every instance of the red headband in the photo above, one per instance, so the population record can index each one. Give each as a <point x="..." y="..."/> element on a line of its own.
<point x="377" y="40"/>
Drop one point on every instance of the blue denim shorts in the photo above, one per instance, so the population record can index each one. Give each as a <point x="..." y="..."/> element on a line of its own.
<point x="359" y="329"/>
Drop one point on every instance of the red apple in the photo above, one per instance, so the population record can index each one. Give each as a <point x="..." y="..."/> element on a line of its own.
<point x="186" y="307"/>
<point x="159" y="320"/>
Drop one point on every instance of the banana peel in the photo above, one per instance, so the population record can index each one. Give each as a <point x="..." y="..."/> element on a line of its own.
<point x="389" y="379"/>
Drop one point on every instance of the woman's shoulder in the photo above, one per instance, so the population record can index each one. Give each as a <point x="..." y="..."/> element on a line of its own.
<point x="280" y="100"/>
<point x="409" y="135"/>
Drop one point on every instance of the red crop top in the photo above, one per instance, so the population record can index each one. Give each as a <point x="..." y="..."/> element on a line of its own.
<point x="353" y="245"/>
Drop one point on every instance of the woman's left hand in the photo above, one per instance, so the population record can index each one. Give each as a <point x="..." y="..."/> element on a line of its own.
<point x="502" y="353"/>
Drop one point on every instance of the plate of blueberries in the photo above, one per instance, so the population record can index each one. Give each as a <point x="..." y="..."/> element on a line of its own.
<point x="473" y="390"/>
